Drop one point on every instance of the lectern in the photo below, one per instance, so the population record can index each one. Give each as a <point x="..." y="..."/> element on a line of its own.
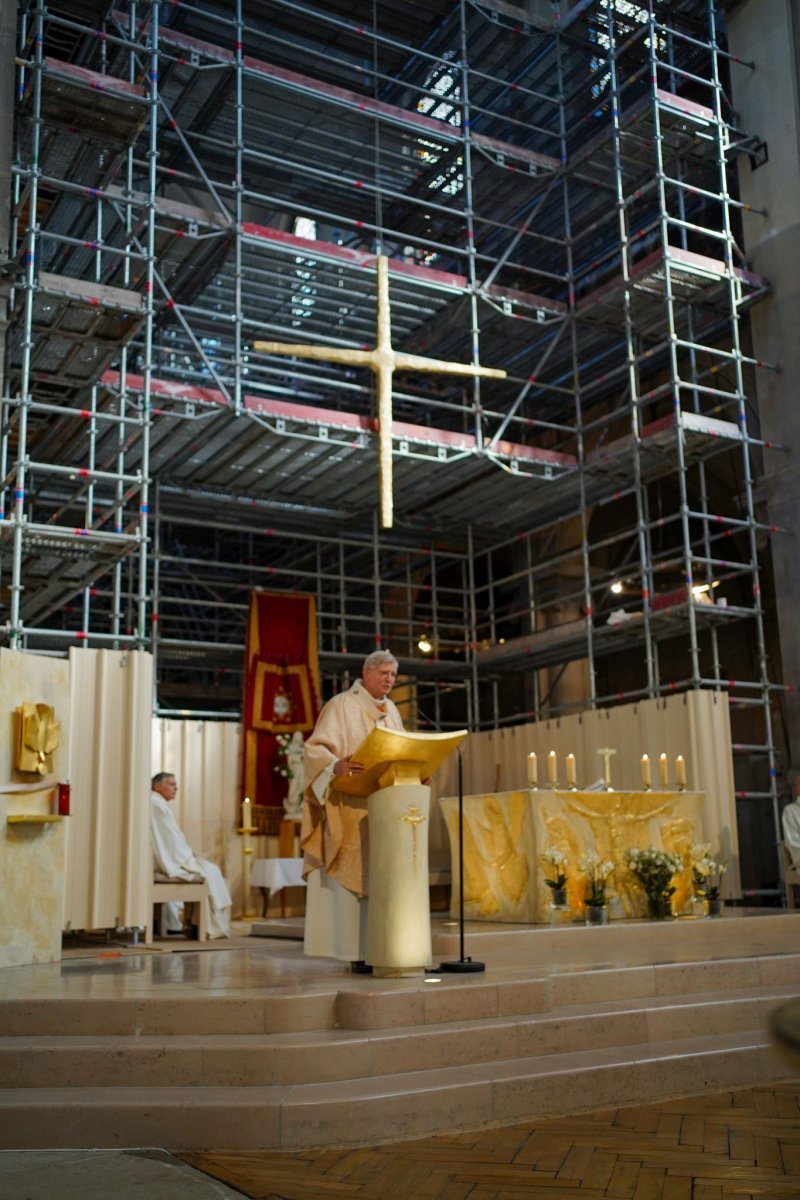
<point x="398" y="920"/>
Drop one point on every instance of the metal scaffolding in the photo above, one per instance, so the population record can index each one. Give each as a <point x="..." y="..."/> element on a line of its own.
<point x="555" y="196"/>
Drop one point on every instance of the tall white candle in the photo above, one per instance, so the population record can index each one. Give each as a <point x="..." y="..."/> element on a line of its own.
<point x="646" y="779"/>
<point x="552" y="767"/>
<point x="680" y="771"/>
<point x="570" y="770"/>
<point x="533" y="773"/>
<point x="663" y="770"/>
<point x="246" y="813"/>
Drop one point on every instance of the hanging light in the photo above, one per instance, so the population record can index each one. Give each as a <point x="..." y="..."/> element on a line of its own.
<point x="424" y="645"/>
<point x="616" y="587"/>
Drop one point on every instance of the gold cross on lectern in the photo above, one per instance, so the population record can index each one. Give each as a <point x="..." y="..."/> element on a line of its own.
<point x="384" y="361"/>
<point x="413" y="817"/>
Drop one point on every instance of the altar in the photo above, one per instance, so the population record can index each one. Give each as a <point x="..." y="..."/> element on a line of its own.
<point x="506" y="833"/>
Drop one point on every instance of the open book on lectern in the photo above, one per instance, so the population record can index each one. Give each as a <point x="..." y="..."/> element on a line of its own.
<point x="419" y="754"/>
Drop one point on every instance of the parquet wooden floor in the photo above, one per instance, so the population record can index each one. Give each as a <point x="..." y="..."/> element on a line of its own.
<point x="730" y="1146"/>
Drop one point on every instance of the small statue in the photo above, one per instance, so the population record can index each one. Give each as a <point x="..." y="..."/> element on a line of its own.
<point x="293" y="758"/>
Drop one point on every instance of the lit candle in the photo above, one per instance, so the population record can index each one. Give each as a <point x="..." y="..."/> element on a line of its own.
<point x="570" y="770"/>
<point x="680" y="772"/>
<point x="646" y="771"/>
<point x="663" y="771"/>
<point x="246" y="813"/>
<point x="533" y="776"/>
<point x="552" y="767"/>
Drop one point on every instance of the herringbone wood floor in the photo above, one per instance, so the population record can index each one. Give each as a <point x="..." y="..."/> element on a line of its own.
<point x="731" y="1146"/>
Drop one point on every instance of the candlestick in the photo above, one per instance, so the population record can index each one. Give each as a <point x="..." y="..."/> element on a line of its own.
<point x="246" y="853"/>
<point x="663" y="770"/>
<point x="680" y="772"/>
<point x="571" y="770"/>
<point x="552" y="768"/>
<point x="533" y="772"/>
<point x="646" y="772"/>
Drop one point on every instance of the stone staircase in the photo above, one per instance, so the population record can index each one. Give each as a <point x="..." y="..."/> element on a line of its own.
<point x="360" y="1061"/>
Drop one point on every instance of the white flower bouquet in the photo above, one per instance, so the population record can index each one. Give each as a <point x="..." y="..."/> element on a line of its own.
<point x="598" y="870"/>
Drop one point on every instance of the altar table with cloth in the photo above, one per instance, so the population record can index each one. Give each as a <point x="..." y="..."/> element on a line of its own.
<point x="506" y="833"/>
<point x="275" y="874"/>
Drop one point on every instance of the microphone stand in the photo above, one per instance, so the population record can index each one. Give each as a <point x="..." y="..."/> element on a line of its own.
<point x="463" y="965"/>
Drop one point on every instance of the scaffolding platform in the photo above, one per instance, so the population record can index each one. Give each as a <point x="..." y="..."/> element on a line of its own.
<point x="569" y="641"/>
<point x="80" y="327"/>
<point x="99" y="106"/>
<point x="693" y="279"/>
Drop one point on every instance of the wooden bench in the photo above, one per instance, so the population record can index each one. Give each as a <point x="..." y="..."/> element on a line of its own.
<point x="791" y="875"/>
<point x="178" y="891"/>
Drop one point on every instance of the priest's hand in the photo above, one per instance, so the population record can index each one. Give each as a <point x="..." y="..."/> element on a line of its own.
<point x="346" y="766"/>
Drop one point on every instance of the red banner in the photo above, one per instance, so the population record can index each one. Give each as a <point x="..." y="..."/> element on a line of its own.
<point x="281" y="686"/>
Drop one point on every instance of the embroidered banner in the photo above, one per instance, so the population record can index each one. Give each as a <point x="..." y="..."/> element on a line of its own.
<point x="281" y="686"/>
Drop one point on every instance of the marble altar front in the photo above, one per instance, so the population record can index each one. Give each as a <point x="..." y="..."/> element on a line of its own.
<point x="505" y="834"/>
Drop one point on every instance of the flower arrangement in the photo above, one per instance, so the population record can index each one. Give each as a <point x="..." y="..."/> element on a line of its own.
<point x="282" y="767"/>
<point x="598" y="871"/>
<point x="653" y="870"/>
<point x="706" y="873"/>
<point x="558" y="864"/>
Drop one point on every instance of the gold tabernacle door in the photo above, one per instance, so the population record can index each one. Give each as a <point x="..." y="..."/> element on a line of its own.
<point x="392" y="756"/>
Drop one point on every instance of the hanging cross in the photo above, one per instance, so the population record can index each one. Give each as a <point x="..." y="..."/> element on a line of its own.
<point x="383" y="361"/>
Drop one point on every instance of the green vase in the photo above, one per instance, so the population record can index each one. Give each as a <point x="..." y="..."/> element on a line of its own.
<point x="659" y="907"/>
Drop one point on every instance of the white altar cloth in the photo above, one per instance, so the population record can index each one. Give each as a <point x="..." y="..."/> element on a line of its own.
<point x="274" y="874"/>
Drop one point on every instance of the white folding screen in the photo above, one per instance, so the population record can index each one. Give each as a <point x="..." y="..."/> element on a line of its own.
<point x="109" y="861"/>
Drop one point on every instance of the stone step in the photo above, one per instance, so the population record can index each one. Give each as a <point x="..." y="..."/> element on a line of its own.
<point x="234" y="1060"/>
<point x="366" y="1111"/>
<point x="634" y="943"/>
<point x="364" y="1003"/>
<point x="673" y="979"/>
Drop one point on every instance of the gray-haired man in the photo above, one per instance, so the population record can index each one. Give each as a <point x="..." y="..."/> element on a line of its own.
<point x="335" y="833"/>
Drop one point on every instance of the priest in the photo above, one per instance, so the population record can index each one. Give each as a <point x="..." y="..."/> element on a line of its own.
<point x="334" y="834"/>
<point x="174" y="857"/>
<point x="790" y="819"/>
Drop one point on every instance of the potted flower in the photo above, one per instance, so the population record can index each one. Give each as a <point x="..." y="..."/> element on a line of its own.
<point x="596" y="900"/>
<point x="707" y="880"/>
<point x="653" y="870"/>
<point x="557" y="864"/>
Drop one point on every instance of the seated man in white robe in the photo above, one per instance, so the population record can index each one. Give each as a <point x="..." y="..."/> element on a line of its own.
<point x="174" y="857"/>
<point x="790" y="819"/>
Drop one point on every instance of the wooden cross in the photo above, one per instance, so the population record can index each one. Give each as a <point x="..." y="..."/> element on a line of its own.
<point x="383" y="361"/>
